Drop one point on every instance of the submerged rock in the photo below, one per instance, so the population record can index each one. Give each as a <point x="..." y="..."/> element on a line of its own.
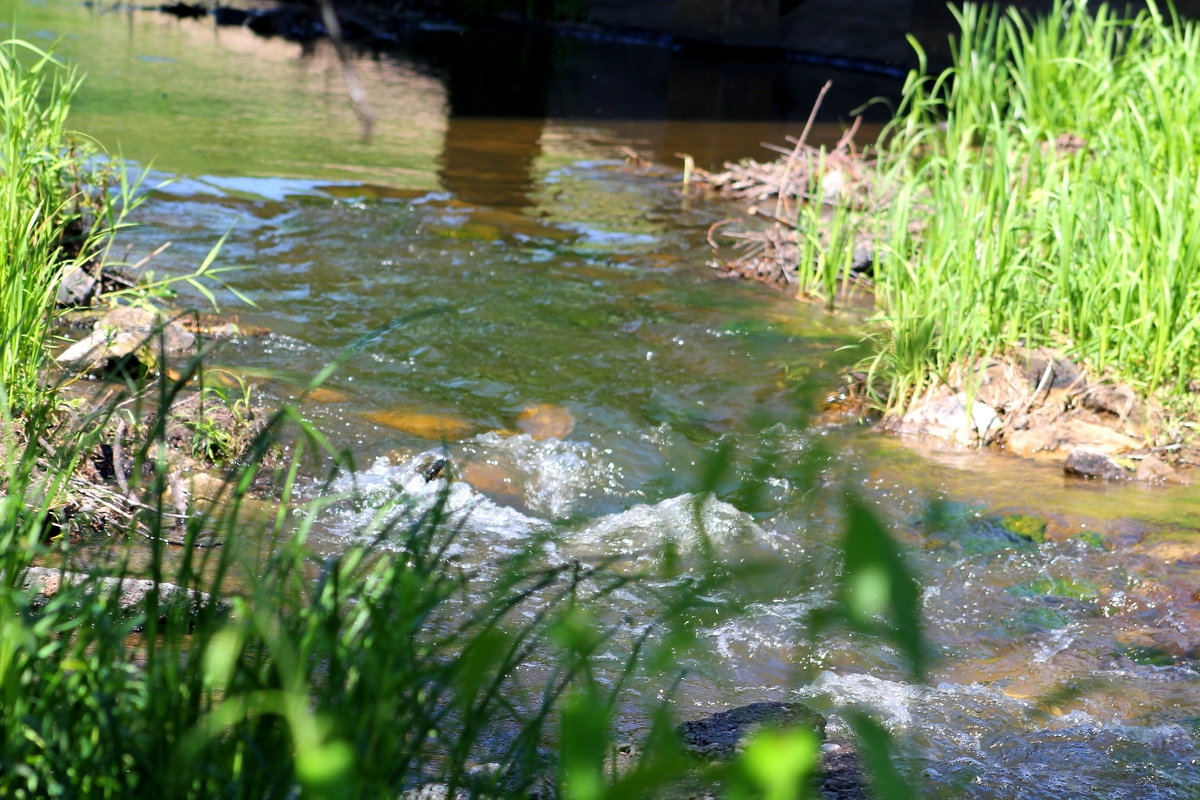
<point x="720" y="735"/>
<point x="1087" y="462"/>
<point x="426" y="426"/>
<point x="324" y="396"/>
<point x="1026" y="526"/>
<point x="971" y="530"/>
<point x="1055" y="587"/>
<point x="499" y="481"/>
<point x="545" y="421"/>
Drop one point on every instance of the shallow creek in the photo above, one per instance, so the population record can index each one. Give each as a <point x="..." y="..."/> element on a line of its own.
<point x="565" y="279"/>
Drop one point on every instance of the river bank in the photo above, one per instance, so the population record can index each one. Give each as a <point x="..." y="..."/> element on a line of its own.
<point x="1022" y="295"/>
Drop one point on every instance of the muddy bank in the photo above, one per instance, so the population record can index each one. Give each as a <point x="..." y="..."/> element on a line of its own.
<point x="131" y="380"/>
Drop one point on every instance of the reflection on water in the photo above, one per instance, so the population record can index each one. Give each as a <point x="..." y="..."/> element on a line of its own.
<point x="567" y="281"/>
<point x="491" y="161"/>
<point x="202" y="100"/>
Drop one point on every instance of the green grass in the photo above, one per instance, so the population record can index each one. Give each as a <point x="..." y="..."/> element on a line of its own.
<point x="1043" y="190"/>
<point x="356" y="675"/>
<point x="57" y="209"/>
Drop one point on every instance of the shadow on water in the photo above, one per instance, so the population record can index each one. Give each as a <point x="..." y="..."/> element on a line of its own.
<point x="479" y="103"/>
<point x="487" y="97"/>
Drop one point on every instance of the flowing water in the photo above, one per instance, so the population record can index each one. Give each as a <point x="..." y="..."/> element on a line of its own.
<point x="569" y="295"/>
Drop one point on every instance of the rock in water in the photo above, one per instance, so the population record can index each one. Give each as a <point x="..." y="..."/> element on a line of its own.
<point x="427" y="426"/>
<point x="544" y="421"/>
<point x="720" y="735"/>
<point x="326" y="396"/>
<point x="948" y="418"/>
<point x="1153" y="470"/>
<point x="127" y="334"/>
<point x="842" y="776"/>
<point x="1086" y="462"/>
<point x="500" y="482"/>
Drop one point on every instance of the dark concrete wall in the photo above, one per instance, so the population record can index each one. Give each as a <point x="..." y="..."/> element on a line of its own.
<point x="870" y="30"/>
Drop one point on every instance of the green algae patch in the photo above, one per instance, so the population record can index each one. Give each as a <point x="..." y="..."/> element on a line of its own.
<point x="971" y="530"/>
<point x="1148" y="656"/>
<point x="1056" y="587"/>
<point x="1091" y="539"/>
<point x="1032" y="619"/>
<point x="1026" y="526"/>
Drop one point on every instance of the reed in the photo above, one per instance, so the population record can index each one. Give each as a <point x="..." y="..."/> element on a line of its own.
<point x="58" y="209"/>
<point x="1043" y="190"/>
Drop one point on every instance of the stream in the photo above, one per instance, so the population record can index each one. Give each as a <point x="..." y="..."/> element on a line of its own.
<point x="573" y="297"/>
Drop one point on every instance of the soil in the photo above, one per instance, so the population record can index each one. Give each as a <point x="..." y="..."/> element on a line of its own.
<point x="108" y="420"/>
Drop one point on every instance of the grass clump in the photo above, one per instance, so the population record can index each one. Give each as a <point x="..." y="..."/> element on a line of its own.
<point x="358" y="675"/>
<point x="1042" y="191"/>
<point x="57" y="209"/>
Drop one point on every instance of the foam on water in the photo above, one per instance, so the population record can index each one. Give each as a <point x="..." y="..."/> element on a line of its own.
<point x="979" y="741"/>
<point x="767" y="631"/>
<point x="686" y="522"/>
<point x="557" y="478"/>
<point x="892" y="701"/>
<point x="398" y="493"/>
